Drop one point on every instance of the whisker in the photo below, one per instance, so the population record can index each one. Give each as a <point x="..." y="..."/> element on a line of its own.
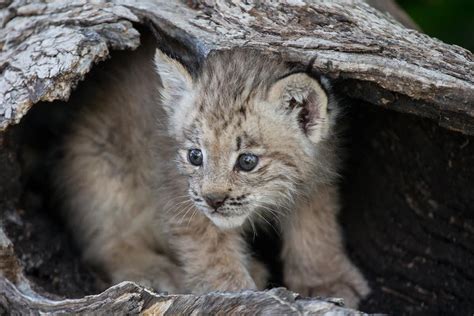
<point x="182" y="210"/>
<point x="253" y="228"/>
<point x="271" y="225"/>
<point x="189" y="208"/>
<point x="192" y="215"/>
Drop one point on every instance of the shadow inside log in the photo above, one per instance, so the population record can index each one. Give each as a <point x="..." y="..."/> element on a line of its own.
<point x="408" y="212"/>
<point x="407" y="215"/>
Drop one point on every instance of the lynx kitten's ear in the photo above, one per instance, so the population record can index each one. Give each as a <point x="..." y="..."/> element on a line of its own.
<point x="305" y="100"/>
<point x="176" y="80"/>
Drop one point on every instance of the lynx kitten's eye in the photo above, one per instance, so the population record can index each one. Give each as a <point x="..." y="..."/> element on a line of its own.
<point x="195" y="156"/>
<point x="246" y="162"/>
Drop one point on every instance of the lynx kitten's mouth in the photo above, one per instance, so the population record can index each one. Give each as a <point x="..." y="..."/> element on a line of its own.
<point x="226" y="221"/>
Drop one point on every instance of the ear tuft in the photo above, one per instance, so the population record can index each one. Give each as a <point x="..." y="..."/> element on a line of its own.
<point x="305" y="100"/>
<point x="175" y="79"/>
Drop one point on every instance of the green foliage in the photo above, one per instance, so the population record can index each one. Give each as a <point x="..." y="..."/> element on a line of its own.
<point x="452" y="21"/>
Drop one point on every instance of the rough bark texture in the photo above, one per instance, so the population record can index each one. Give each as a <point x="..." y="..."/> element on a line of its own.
<point x="128" y="298"/>
<point x="47" y="47"/>
<point x="408" y="190"/>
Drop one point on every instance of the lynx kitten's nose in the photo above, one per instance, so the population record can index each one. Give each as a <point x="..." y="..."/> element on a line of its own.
<point x="215" y="200"/>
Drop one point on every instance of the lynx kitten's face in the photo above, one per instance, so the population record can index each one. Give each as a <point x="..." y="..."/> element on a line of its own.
<point x="247" y="129"/>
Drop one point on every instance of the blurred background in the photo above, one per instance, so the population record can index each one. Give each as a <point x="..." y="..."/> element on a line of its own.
<point x="451" y="21"/>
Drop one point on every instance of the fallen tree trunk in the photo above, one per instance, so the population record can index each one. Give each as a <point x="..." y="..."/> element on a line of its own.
<point x="19" y="298"/>
<point x="47" y="48"/>
<point x="129" y="298"/>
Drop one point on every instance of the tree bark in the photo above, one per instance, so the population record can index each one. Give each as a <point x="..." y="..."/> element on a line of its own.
<point x="47" y="47"/>
<point x="130" y="298"/>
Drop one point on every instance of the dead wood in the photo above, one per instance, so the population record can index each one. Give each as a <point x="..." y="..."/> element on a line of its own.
<point x="130" y="298"/>
<point x="47" y="47"/>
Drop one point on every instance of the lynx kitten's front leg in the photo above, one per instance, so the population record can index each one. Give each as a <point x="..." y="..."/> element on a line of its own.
<point x="130" y="259"/>
<point x="213" y="259"/>
<point x="314" y="260"/>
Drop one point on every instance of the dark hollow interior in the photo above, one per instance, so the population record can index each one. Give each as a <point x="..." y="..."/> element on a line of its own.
<point x="408" y="215"/>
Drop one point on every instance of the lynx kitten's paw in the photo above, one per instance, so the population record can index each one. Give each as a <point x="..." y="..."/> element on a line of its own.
<point x="351" y="286"/>
<point x="234" y="284"/>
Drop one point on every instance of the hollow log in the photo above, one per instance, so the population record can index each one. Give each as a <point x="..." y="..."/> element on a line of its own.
<point x="128" y="298"/>
<point x="47" y="47"/>
<point x="410" y="232"/>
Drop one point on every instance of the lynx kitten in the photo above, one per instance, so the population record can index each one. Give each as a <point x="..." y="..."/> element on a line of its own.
<point x="163" y="175"/>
